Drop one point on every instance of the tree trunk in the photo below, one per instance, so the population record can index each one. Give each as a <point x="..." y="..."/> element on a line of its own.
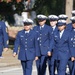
<point x="69" y="8"/>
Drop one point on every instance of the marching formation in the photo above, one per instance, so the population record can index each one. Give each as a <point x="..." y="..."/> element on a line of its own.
<point x="49" y="45"/>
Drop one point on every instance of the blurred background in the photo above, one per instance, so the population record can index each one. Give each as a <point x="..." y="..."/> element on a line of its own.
<point x="13" y="12"/>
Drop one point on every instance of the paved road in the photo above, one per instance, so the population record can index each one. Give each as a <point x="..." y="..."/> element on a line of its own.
<point x="16" y="70"/>
<point x="11" y="66"/>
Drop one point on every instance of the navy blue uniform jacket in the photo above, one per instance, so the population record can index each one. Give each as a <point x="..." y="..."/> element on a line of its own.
<point x="28" y="45"/>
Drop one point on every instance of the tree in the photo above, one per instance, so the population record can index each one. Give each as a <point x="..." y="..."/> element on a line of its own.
<point x="69" y="8"/>
<point x="48" y="7"/>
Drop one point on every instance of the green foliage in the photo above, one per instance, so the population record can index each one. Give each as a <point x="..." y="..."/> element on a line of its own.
<point x="48" y="7"/>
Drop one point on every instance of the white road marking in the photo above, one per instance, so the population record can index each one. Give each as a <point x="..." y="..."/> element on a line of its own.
<point x="13" y="69"/>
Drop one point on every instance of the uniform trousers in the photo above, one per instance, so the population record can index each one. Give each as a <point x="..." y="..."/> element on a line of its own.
<point x="27" y="67"/>
<point x="1" y="49"/>
<point x="61" y="67"/>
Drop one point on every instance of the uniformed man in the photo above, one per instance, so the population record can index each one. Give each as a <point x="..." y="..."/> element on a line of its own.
<point x="72" y="46"/>
<point x="69" y="27"/>
<point x="27" y="41"/>
<point x="61" y="47"/>
<point x="53" y="23"/>
<point x="3" y="38"/>
<point x="44" y="36"/>
<point x="63" y="17"/>
<point x="73" y="13"/>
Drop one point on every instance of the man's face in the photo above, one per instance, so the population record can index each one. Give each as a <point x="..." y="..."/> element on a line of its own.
<point x="53" y="23"/>
<point x="73" y="25"/>
<point x="27" y="27"/>
<point x="41" y="22"/>
<point x="60" y="28"/>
